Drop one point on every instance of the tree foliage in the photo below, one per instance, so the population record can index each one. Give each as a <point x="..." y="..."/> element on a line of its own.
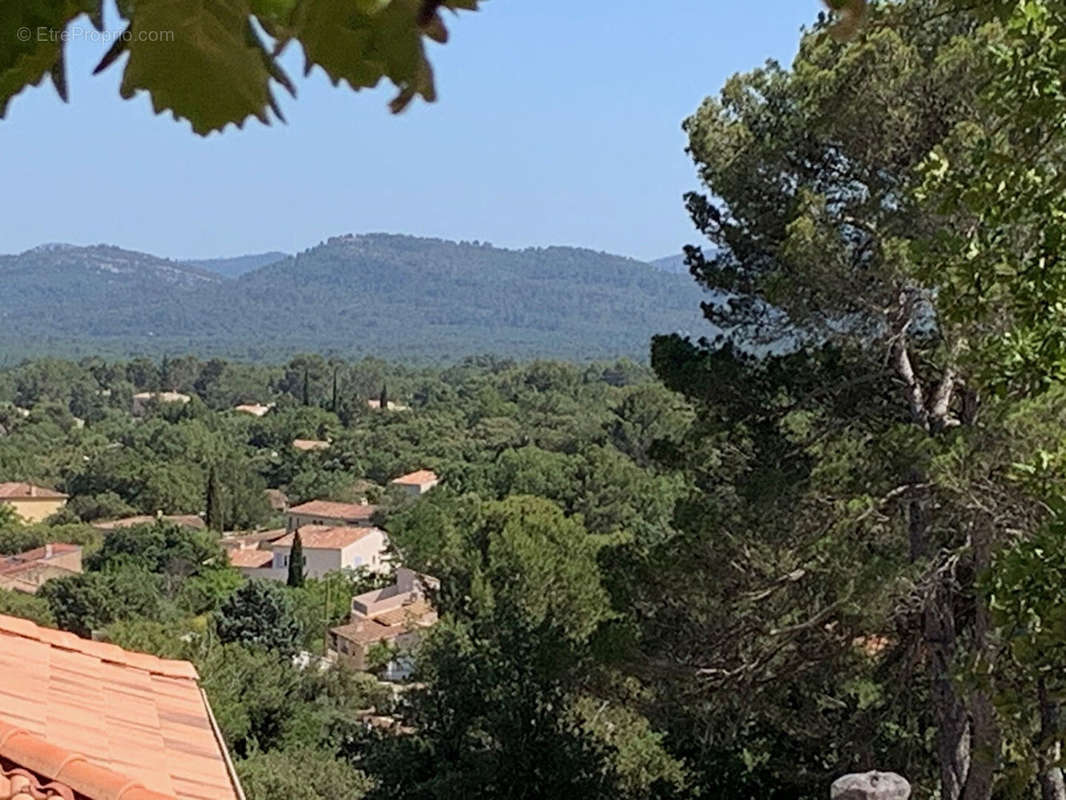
<point x="177" y="48"/>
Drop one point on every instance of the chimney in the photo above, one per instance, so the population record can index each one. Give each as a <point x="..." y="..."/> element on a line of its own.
<point x="33" y="490"/>
<point x="48" y="550"/>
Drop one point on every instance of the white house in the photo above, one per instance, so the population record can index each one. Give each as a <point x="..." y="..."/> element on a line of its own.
<point x="418" y="482"/>
<point x="329" y="549"/>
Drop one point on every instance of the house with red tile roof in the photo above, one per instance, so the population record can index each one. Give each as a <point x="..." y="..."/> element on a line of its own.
<point x="27" y="572"/>
<point x="310" y="445"/>
<point x="85" y="720"/>
<point x="31" y="502"/>
<point x="324" y="512"/>
<point x="394" y="616"/>
<point x="418" y="482"/>
<point x="332" y="548"/>
<point x="192" y="521"/>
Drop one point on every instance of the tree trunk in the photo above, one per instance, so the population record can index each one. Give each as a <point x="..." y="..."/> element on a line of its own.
<point x="986" y="743"/>
<point x="952" y="721"/>
<point x="1052" y="786"/>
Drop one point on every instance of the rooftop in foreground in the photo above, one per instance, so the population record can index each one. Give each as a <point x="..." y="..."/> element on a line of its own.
<point x="102" y="723"/>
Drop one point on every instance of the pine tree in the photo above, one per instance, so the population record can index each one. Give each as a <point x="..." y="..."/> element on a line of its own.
<point x="296" y="562"/>
<point x="214" y="502"/>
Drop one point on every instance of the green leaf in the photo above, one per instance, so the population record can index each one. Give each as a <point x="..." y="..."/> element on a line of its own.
<point x="30" y="43"/>
<point x="363" y="41"/>
<point x="200" y="60"/>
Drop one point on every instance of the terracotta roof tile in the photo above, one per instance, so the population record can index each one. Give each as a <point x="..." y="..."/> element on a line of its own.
<point x="419" y="477"/>
<point x="250" y="558"/>
<point x="324" y="537"/>
<point x="310" y="444"/>
<point x="106" y="722"/>
<point x="330" y="510"/>
<point x="28" y="491"/>
<point x="185" y="520"/>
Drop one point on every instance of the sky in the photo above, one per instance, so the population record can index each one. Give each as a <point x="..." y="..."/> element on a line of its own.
<point x="558" y="123"/>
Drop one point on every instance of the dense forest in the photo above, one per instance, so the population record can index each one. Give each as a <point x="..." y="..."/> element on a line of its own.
<point x="829" y="540"/>
<point x="397" y="297"/>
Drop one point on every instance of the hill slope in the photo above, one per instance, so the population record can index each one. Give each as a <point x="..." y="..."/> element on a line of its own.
<point x="395" y="296"/>
<point x="237" y="266"/>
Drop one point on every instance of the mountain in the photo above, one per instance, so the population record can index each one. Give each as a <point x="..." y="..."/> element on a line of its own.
<point x="399" y="297"/>
<point x="237" y="266"/>
<point x="675" y="264"/>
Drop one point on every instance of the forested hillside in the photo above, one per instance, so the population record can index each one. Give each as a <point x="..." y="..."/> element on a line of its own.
<point x="393" y="296"/>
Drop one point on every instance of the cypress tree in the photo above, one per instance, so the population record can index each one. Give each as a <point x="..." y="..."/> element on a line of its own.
<point x="296" y="562"/>
<point x="214" y="502"/>
<point x="307" y="389"/>
<point x="334" y="402"/>
<point x="383" y="401"/>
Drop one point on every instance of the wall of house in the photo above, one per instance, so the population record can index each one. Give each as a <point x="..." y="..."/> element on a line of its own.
<point x="369" y="552"/>
<point x="294" y="521"/>
<point x="36" y="509"/>
<point x="316" y="562"/>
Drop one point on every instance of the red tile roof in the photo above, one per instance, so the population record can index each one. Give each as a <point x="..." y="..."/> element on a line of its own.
<point x="417" y="478"/>
<point x="325" y="537"/>
<point x="108" y="723"/>
<point x="310" y="444"/>
<point x="328" y="510"/>
<point x="28" y="491"/>
<point x="387" y="625"/>
<point x="22" y="561"/>
<point x="250" y="558"/>
<point x="184" y="520"/>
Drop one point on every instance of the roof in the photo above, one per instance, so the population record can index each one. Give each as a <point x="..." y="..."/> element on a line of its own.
<point x="250" y="541"/>
<point x="163" y="397"/>
<point x="255" y="409"/>
<point x="18" y="490"/>
<point x="325" y="537"/>
<point x="105" y="723"/>
<point x="249" y="558"/>
<point x="419" y="477"/>
<point x="22" y="561"/>
<point x="329" y="510"/>
<point x="310" y="444"/>
<point x="388" y="625"/>
<point x="185" y="520"/>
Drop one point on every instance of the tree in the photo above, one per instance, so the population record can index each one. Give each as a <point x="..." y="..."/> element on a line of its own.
<point x="300" y="773"/>
<point x="296" y="563"/>
<point x="383" y="398"/>
<point x="214" y="513"/>
<point x="832" y="402"/>
<point x="508" y="704"/>
<point x="260" y="614"/>
<point x="358" y="46"/>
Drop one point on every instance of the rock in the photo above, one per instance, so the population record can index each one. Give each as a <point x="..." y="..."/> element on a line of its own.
<point x="871" y="786"/>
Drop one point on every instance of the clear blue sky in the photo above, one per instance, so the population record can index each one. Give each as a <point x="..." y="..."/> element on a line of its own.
<point x="558" y="123"/>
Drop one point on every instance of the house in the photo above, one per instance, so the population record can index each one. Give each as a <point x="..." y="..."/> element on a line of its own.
<point x="310" y="445"/>
<point x="191" y="521"/>
<point x="31" y="502"/>
<point x="393" y="616"/>
<point x="324" y="512"/>
<point x="142" y="400"/>
<point x="416" y="483"/>
<point x="329" y="549"/>
<point x="390" y="406"/>
<point x="255" y="409"/>
<point x="27" y="572"/>
<point x="250" y="553"/>
<point x="85" y="720"/>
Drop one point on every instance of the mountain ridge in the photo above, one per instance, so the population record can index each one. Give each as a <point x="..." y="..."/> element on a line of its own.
<point x="384" y="294"/>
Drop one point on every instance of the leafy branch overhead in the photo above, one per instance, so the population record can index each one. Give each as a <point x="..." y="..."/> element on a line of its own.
<point x="206" y="60"/>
